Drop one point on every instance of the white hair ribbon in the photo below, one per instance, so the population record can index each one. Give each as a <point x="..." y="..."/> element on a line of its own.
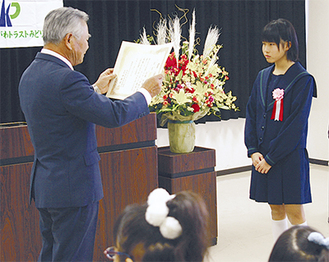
<point x="157" y="214"/>
<point x="318" y="239"/>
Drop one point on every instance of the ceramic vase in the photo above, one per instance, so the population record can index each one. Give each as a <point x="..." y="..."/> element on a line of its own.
<point x="181" y="136"/>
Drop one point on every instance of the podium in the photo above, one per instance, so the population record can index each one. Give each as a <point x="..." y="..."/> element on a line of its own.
<point x="195" y="172"/>
<point x="129" y="173"/>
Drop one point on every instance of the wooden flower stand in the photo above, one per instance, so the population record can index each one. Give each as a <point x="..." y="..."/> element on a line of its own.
<point x="193" y="171"/>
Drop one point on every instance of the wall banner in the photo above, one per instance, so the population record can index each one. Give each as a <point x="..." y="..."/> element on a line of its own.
<point x="21" y="21"/>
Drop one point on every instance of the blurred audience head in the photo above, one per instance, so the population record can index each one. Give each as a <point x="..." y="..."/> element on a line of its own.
<point x="166" y="228"/>
<point x="301" y="243"/>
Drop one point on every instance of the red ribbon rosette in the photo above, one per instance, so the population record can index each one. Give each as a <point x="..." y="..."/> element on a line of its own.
<point x="277" y="113"/>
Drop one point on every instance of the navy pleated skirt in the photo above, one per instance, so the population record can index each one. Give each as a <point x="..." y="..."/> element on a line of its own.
<point x="287" y="182"/>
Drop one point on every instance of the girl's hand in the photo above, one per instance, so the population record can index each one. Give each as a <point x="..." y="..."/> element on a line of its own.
<point x="256" y="158"/>
<point x="263" y="167"/>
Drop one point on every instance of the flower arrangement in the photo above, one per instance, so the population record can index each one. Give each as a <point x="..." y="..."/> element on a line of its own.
<point x="193" y="83"/>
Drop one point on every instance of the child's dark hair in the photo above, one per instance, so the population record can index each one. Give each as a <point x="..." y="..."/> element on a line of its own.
<point x="282" y="29"/>
<point x="188" y="208"/>
<point x="294" y="245"/>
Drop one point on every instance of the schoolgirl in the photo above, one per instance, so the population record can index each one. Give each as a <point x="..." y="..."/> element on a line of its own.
<point x="276" y="128"/>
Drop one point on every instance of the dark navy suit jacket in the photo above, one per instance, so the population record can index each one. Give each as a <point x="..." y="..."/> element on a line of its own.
<point x="61" y="109"/>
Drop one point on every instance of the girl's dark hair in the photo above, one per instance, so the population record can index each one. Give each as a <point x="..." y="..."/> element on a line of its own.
<point x="293" y="245"/>
<point x="188" y="208"/>
<point x="282" y="29"/>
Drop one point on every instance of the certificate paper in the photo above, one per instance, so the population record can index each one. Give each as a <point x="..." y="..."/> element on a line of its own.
<point x="136" y="63"/>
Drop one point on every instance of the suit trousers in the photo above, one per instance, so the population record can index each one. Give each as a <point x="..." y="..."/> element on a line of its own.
<point x="68" y="234"/>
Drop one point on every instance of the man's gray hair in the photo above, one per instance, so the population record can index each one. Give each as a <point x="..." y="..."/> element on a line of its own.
<point x="59" y="22"/>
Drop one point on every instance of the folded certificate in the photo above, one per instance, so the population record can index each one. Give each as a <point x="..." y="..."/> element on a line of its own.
<point x="135" y="63"/>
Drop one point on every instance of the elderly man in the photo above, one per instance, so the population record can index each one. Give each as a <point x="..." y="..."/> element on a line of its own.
<point x="61" y="108"/>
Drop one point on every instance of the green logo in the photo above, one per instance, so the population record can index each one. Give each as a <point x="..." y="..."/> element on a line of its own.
<point x="17" y="11"/>
<point x="5" y="18"/>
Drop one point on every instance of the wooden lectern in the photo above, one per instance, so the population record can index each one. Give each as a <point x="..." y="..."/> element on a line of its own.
<point x="129" y="173"/>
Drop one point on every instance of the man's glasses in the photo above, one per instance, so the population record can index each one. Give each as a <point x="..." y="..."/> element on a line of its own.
<point x="111" y="253"/>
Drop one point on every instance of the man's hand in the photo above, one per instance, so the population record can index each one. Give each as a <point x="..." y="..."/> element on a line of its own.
<point x="104" y="79"/>
<point x="153" y="84"/>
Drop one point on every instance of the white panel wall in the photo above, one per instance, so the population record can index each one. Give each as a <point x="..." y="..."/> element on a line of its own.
<point x="227" y="137"/>
<point x="318" y="66"/>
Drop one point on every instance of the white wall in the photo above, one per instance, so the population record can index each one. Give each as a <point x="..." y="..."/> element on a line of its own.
<point x="227" y="136"/>
<point x="318" y="66"/>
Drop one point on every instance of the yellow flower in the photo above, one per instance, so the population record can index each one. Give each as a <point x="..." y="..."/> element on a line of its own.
<point x="181" y="97"/>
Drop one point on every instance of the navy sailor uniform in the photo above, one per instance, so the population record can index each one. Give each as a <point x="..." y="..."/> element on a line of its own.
<point x="282" y="143"/>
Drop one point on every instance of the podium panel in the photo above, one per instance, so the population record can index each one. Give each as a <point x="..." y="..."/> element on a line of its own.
<point x="128" y="177"/>
<point x="19" y="221"/>
<point x="129" y="173"/>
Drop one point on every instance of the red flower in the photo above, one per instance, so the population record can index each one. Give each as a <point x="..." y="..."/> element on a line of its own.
<point x="182" y="63"/>
<point x="189" y="88"/>
<point x="196" y="108"/>
<point x="171" y="61"/>
<point x="172" y="66"/>
<point x="209" y="101"/>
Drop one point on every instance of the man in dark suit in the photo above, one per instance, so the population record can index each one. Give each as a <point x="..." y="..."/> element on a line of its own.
<point x="61" y="108"/>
